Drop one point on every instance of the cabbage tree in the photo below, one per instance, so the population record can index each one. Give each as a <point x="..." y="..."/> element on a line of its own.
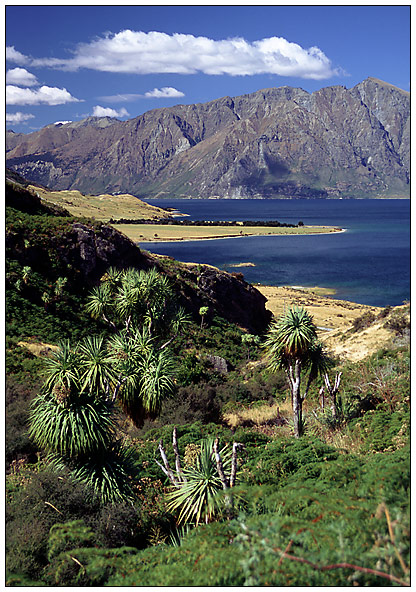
<point x="292" y="344"/>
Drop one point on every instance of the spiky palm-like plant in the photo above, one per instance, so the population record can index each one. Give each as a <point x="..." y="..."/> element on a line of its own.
<point x="156" y="369"/>
<point x="145" y="374"/>
<point x="81" y="428"/>
<point x="199" y="497"/>
<point x="100" y="303"/>
<point x="135" y="298"/>
<point x="97" y="374"/>
<point x="112" y="278"/>
<point x="62" y="372"/>
<point x="292" y="345"/>
<point x="109" y="474"/>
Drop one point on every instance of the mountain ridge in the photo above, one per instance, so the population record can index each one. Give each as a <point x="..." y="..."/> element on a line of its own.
<point x="276" y="142"/>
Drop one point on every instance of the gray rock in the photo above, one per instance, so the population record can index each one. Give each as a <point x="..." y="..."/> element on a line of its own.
<point x="277" y="142"/>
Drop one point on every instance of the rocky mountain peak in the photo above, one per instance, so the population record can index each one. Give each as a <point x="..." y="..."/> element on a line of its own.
<point x="275" y="142"/>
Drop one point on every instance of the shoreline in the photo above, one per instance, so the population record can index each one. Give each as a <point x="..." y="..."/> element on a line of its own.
<point x="161" y="199"/>
<point x="334" y="319"/>
<point x="137" y="232"/>
<point x="330" y="313"/>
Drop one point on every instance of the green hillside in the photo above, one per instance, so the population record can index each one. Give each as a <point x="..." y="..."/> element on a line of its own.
<point x="103" y="362"/>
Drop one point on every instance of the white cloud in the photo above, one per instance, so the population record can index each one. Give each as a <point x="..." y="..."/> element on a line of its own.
<point x="18" y="117"/>
<point x="99" y="111"/>
<point x="45" y="95"/>
<point x="20" y="77"/>
<point x="63" y="122"/>
<point x="167" y="92"/>
<point x="137" y="52"/>
<point x="12" y="55"/>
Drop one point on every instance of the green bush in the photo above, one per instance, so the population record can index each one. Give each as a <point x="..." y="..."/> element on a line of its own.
<point x="67" y="536"/>
<point x="41" y="500"/>
<point x="18" y="446"/>
<point x="278" y="459"/>
<point x="192" y="403"/>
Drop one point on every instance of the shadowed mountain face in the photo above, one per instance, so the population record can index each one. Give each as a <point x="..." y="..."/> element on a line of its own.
<point x="277" y="142"/>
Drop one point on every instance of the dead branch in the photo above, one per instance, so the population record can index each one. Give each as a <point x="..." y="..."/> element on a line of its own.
<point x="166" y="469"/>
<point x="220" y="469"/>
<point x="333" y="390"/>
<point x="179" y="473"/>
<point x="233" y="473"/>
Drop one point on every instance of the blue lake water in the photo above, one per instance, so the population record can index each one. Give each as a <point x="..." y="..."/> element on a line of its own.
<point x="368" y="264"/>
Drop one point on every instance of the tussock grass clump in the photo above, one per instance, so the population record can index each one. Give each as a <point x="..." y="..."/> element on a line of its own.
<point x="258" y="414"/>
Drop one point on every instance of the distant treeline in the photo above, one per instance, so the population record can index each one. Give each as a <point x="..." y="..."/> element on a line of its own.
<point x="169" y="222"/>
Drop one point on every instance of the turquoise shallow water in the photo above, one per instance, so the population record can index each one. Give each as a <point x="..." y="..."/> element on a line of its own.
<point x="368" y="264"/>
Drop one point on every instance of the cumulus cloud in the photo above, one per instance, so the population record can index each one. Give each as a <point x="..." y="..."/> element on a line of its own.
<point x="20" y="77"/>
<point x="45" y="95"/>
<point x="167" y="92"/>
<point x="99" y="111"/>
<point x="18" y="117"/>
<point x="137" y="52"/>
<point x="12" y="55"/>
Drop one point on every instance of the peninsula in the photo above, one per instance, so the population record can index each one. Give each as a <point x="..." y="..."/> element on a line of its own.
<point x="166" y="233"/>
<point x="142" y="222"/>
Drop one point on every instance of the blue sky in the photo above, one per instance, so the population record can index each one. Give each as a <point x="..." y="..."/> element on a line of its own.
<point x="64" y="63"/>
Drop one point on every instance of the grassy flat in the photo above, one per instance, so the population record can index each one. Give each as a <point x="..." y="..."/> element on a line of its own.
<point x="157" y="233"/>
<point x="107" y="207"/>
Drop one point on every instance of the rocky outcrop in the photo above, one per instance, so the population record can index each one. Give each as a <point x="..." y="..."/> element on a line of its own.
<point x="225" y="294"/>
<point x="277" y="142"/>
<point x="82" y="251"/>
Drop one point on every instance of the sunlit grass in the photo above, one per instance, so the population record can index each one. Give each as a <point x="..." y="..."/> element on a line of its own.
<point x="155" y="232"/>
<point x="258" y="414"/>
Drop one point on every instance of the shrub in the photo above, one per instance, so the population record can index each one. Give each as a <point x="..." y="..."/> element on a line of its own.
<point x="67" y="536"/>
<point x="363" y="321"/>
<point x="18" y="445"/>
<point x="399" y="323"/>
<point x="42" y="500"/>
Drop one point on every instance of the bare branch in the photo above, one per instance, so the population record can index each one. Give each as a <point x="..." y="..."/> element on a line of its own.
<point x="322" y="396"/>
<point x="118" y="386"/>
<point x="179" y="473"/>
<point x="107" y="320"/>
<point x="168" y="342"/>
<point x="164" y="470"/>
<point x="220" y="468"/>
<point x="168" y="470"/>
<point x="236" y="447"/>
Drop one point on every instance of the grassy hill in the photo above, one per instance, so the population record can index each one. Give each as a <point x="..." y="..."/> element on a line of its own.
<point x="102" y="207"/>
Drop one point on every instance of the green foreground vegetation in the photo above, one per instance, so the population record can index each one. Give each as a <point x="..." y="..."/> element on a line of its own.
<point x="122" y="469"/>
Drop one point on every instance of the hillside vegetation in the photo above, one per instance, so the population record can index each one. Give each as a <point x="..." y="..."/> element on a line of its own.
<point x="187" y="471"/>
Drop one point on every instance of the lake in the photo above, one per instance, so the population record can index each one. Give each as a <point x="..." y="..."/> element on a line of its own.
<point x="368" y="264"/>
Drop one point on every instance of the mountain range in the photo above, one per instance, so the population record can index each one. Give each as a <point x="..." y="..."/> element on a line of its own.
<point x="274" y="143"/>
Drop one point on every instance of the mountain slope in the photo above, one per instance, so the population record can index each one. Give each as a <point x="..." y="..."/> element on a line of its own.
<point x="277" y="142"/>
